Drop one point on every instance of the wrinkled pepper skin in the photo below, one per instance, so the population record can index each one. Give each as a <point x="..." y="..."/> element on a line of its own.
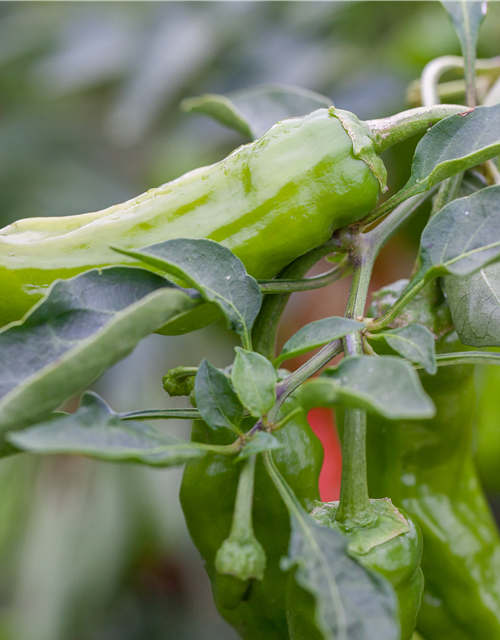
<point x="207" y="495"/>
<point x="269" y="201"/>
<point x="397" y="559"/>
<point x="426" y="467"/>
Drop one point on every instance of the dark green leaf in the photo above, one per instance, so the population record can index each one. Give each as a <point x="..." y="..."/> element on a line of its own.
<point x="216" y="399"/>
<point x="77" y="332"/>
<point x="386" y="385"/>
<point x="262" y="441"/>
<point x="466" y="18"/>
<point x="254" y="379"/>
<point x="96" y="431"/>
<point x="475" y="306"/>
<point x="351" y="602"/>
<point x="463" y="236"/>
<point x="414" y="342"/>
<point x="253" y="111"/>
<point x="214" y="271"/>
<point x="317" y="334"/>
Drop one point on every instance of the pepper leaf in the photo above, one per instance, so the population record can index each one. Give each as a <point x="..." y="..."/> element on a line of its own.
<point x="214" y="271"/>
<point x="262" y="441"/>
<point x="457" y="143"/>
<point x="96" y="431"/>
<point x="463" y="236"/>
<point x="466" y="18"/>
<point x="351" y="603"/>
<point x="253" y="111"/>
<point x="317" y="334"/>
<point x="386" y="385"/>
<point x="81" y="328"/>
<point x="254" y="379"/>
<point x="414" y="342"/>
<point x="216" y="399"/>
<point x="475" y="306"/>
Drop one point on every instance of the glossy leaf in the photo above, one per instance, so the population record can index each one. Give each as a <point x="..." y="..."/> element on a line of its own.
<point x="463" y="236"/>
<point x="253" y="111"/>
<point x="83" y="326"/>
<point x="475" y="306"/>
<point x="317" y="334"/>
<point x="261" y="441"/>
<point x="414" y="342"/>
<point x="216" y="399"/>
<point x="385" y="385"/>
<point x="453" y="145"/>
<point x="254" y="379"/>
<point x="214" y="271"/>
<point x="351" y="602"/>
<point x="466" y="18"/>
<point x="96" y="431"/>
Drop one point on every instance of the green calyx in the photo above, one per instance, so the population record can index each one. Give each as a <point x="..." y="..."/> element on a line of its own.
<point x="363" y="144"/>
<point x="389" y="524"/>
<point x="242" y="558"/>
<point x="179" y="381"/>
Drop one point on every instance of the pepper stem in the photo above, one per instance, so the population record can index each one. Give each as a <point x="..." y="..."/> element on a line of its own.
<point x="242" y="526"/>
<point x="389" y="131"/>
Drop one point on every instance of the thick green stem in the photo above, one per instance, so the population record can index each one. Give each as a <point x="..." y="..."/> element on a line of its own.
<point x="354" y="508"/>
<point x="161" y="414"/>
<point x="387" y="132"/>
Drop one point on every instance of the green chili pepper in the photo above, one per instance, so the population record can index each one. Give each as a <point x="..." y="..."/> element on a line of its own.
<point x="426" y="467"/>
<point x="254" y="607"/>
<point x="487" y="442"/>
<point x="269" y="201"/>
<point x="391" y="546"/>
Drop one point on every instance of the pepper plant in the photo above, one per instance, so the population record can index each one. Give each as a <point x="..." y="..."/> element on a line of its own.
<point x="411" y="543"/>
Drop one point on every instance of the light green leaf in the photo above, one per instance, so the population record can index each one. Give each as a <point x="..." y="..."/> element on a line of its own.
<point x="75" y="334"/>
<point x="475" y="306"/>
<point x="254" y="379"/>
<point x="214" y="271"/>
<point x="385" y="385"/>
<point x="414" y="342"/>
<point x="317" y="334"/>
<point x="253" y="111"/>
<point x="96" y="431"/>
<point x="216" y="399"/>
<point x="463" y="236"/>
<point x="261" y="441"/>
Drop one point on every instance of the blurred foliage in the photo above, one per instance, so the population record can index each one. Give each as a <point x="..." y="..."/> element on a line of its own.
<point x="89" y="116"/>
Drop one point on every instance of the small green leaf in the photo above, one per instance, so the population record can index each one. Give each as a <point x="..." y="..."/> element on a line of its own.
<point x="350" y="601"/>
<point x="414" y="342"/>
<point x="466" y="18"/>
<point x="385" y="385"/>
<point x="71" y="337"/>
<point x="214" y="271"/>
<point x="254" y="379"/>
<point x="253" y="111"/>
<point x="262" y="441"/>
<point x="96" y="431"/>
<point x="317" y="334"/>
<point x="216" y="399"/>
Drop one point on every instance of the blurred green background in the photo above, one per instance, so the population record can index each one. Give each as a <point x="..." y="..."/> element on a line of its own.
<point x="89" y="116"/>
